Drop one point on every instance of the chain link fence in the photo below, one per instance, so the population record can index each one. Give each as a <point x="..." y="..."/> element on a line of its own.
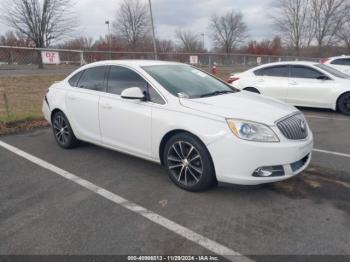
<point x="23" y="85"/>
<point x="30" y="56"/>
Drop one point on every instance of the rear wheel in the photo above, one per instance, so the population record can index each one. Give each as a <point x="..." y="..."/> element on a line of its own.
<point x="252" y="89"/>
<point x="63" y="132"/>
<point x="344" y="104"/>
<point x="189" y="163"/>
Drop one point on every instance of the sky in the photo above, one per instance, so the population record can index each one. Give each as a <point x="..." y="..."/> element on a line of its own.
<point x="170" y="15"/>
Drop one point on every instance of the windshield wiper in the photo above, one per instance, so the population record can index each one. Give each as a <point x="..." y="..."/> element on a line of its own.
<point x="217" y="93"/>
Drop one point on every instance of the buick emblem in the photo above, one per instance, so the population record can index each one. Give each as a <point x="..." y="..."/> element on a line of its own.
<point x="302" y="125"/>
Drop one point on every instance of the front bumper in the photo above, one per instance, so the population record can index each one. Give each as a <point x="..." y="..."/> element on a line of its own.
<point x="236" y="160"/>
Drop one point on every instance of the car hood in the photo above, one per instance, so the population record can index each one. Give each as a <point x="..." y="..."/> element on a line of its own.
<point x="242" y="105"/>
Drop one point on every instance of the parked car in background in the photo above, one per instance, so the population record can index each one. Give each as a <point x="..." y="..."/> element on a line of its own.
<point x="298" y="83"/>
<point x="200" y="128"/>
<point x="341" y="63"/>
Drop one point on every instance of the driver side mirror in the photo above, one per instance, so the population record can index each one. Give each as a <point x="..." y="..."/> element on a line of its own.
<point x="133" y="93"/>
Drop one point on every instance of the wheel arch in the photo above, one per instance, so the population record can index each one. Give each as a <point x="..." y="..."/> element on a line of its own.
<point x="53" y="112"/>
<point x="58" y="109"/>
<point x="339" y="96"/>
<point x="172" y="133"/>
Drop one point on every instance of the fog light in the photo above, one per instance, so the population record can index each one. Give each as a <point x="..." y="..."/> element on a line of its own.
<point x="269" y="171"/>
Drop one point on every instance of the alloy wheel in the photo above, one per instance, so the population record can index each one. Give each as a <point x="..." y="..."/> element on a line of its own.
<point x="61" y="129"/>
<point x="185" y="163"/>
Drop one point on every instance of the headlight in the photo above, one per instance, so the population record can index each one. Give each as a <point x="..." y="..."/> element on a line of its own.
<point x="252" y="131"/>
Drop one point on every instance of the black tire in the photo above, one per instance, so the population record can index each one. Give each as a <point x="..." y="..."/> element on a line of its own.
<point x="63" y="132"/>
<point x="252" y="89"/>
<point x="189" y="163"/>
<point x="343" y="104"/>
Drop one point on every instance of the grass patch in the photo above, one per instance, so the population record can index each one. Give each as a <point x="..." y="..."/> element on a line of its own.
<point x="21" y="100"/>
<point x="21" y="96"/>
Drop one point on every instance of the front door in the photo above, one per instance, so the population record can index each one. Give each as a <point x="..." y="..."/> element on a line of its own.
<point x="125" y="124"/>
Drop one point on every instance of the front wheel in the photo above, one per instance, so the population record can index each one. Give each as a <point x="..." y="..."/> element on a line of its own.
<point x="189" y="163"/>
<point x="63" y="132"/>
<point x="344" y="104"/>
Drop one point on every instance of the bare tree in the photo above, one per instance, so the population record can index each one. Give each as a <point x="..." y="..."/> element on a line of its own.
<point x="328" y="17"/>
<point x="132" y="22"/>
<point x="42" y="21"/>
<point x="228" y="31"/>
<point x="344" y="33"/>
<point x="165" y="46"/>
<point x="188" y="41"/>
<point x="293" y="22"/>
<point x="80" y="43"/>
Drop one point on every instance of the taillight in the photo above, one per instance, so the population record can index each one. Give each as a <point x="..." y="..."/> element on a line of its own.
<point x="232" y="79"/>
<point x="324" y="60"/>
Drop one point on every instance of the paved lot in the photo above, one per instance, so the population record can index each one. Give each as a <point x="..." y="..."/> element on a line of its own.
<point x="43" y="213"/>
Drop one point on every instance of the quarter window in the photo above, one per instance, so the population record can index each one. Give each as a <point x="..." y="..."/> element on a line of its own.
<point x="305" y="72"/>
<point x="275" y="71"/>
<point x="342" y="61"/>
<point x="93" y="79"/>
<point x="73" y="81"/>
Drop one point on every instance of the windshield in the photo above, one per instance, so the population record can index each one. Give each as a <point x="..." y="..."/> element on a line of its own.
<point x="187" y="81"/>
<point x="332" y="71"/>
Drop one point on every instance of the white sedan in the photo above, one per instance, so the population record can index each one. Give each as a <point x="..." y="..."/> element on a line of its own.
<point x="341" y="63"/>
<point x="298" y="83"/>
<point x="200" y="128"/>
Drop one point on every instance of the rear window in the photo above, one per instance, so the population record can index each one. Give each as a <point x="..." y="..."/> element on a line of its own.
<point x="276" y="71"/>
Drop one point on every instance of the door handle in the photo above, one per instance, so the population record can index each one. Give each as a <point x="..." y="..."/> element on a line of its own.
<point x="106" y="106"/>
<point x="293" y="83"/>
<point x="260" y="80"/>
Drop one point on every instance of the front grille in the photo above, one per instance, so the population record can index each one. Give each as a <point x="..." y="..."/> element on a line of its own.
<point x="293" y="127"/>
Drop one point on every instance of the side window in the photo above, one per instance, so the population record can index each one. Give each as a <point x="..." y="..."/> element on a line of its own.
<point x="121" y="78"/>
<point x="305" y="72"/>
<point x="73" y="81"/>
<point x="93" y="79"/>
<point x="276" y="71"/>
<point x="342" y="61"/>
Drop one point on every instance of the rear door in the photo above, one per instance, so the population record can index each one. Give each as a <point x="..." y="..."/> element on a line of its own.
<point x="82" y="103"/>
<point x="273" y="81"/>
<point x="342" y="64"/>
<point x="309" y="87"/>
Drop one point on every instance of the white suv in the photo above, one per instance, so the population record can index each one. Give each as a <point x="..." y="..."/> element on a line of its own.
<point x="341" y="63"/>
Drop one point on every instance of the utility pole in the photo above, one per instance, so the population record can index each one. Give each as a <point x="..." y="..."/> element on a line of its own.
<point x="203" y="43"/>
<point x="109" y="40"/>
<point x="153" y="32"/>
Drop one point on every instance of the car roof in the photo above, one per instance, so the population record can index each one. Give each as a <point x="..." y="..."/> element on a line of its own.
<point x="292" y="63"/>
<point x="133" y="63"/>
<point x="337" y="57"/>
<point x="305" y="63"/>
